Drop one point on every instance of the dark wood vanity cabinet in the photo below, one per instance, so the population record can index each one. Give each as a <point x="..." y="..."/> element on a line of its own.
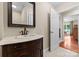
<point x="25" y="49"/>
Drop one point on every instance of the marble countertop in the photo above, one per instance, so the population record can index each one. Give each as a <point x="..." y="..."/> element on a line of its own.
<point x="19" y="39"/>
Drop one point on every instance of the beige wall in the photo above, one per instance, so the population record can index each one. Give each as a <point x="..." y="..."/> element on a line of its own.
<point x="1" y="20"/>
<point x="1" y="25"/>
<point x="42" y="11"/>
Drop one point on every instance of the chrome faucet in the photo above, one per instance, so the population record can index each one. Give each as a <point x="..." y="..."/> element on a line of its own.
<point x="24" y="32"/>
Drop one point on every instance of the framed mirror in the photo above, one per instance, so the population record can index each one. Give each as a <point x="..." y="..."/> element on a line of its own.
<point x="21" y="14"/>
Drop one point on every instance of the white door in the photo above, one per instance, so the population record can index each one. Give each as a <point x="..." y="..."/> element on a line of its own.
<point x="54" y="30"/>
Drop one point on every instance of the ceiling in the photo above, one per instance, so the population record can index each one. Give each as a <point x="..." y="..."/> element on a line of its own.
<point x="64" y="6"/>
<point x="56" y="4"/>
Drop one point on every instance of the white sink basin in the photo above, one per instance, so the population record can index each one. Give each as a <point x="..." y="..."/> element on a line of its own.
<point x="24" y="36"/>
<point x="20" y="38"/>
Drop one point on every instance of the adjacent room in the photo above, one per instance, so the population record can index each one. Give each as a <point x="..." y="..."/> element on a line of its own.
<point x="70" y="40"/>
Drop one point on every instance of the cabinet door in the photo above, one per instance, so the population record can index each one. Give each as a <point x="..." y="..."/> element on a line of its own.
<point x="24" y="53"/>
<point x="7" y="51"/>
<point x="38" y="48"/>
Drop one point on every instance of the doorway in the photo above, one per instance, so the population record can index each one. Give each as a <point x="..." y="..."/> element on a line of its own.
<point x="70" y="40"/>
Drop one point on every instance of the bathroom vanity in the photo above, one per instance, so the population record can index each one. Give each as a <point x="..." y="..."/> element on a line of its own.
<point x="22" y="14"/>
<point x="22" y="46"/>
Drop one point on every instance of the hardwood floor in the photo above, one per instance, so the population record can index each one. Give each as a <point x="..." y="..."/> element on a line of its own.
<point x="70" y="43"/>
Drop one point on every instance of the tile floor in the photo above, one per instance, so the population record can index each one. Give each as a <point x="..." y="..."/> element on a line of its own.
<point x="61" y="52"/>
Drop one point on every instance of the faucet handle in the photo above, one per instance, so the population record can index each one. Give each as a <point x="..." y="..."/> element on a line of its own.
<point x="26" y="32"/>
<point x="21" y="32"/>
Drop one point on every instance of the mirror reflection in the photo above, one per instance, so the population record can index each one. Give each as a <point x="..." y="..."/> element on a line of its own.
<point x="22" y="13"/>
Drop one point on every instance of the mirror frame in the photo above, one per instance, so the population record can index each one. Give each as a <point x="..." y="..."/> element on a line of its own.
<point x="10" y="24"/>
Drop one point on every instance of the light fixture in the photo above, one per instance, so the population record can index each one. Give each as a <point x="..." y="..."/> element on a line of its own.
<point x="13" y="6"/>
